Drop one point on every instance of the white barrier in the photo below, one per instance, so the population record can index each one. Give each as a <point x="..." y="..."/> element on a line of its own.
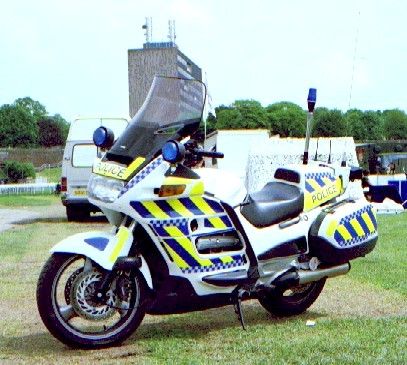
<point x="266" y="156"/>
<point x="27" y="189"/>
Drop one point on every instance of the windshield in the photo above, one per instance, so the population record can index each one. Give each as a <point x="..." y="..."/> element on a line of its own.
<point x="172" y="110"/>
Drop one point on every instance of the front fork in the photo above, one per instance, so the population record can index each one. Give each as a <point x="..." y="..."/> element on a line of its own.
<point x="122" y="264"/>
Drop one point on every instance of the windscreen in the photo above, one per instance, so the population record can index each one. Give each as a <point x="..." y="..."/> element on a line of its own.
<point x="172" y="110"/>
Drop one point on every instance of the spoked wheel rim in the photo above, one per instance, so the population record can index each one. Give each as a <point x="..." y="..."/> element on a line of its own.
<point x="81" y="312"/>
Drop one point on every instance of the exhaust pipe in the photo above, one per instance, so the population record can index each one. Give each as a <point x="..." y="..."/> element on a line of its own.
<point x="306" y="276"/>
<point x="294" y="278"/>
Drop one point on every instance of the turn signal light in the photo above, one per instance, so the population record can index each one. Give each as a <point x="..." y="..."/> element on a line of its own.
<point x="171" y="190"/>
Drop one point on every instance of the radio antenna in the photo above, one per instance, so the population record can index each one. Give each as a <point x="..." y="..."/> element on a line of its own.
<point x="330" y="151"/>
<point x="148" y="27"/>
<point x="316" y="152"/>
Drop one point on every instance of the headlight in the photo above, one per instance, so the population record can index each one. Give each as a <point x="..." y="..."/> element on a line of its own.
<point x="104" y="189"/>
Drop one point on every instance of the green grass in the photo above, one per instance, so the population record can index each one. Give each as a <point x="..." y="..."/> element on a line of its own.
<point x="385" y="266"/>
<point x="352" y="332"/>
<point x="28" y="200"/>
<point x="53" y="174"/>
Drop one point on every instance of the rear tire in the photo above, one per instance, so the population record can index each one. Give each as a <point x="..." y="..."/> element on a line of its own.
<point x="75" y="214"/>
<point x="73" y="314"/>
<point x="292" y="301"/>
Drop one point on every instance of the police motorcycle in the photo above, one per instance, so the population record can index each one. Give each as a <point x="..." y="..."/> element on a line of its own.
<point x="185" y="239"/>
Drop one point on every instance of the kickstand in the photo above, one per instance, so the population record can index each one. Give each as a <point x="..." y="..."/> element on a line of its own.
<point x="239" y="311"/>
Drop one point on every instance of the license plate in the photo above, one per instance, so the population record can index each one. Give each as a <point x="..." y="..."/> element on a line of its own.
<point x="79" y="192"/>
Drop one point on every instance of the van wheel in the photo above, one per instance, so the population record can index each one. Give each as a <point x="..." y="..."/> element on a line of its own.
<point x="76" y="214"/>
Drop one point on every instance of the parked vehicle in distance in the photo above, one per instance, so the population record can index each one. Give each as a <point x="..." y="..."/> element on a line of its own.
<point x="79" y="154"/>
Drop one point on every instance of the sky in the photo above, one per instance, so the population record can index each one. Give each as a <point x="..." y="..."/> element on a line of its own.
<point x="71" y="55"/>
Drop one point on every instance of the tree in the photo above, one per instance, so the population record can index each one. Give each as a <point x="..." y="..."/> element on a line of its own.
<point x="242" y="114"/>
<point x="373" y="124"/>
<point x="52" y="131"/>
<point x="63" y="126"/>
<point x="395" y="124"/>
<point x="287" y="119"/>
<point x="36" y="109"/>
<point x="365" y="125"/>
<point x="17" y="127"/>
<point x="354" y="124"/>
<point x="199" y="135"/>
<point x="328" y="123"/>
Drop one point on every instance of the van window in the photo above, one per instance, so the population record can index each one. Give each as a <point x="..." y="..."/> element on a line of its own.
<point x="83" y="155"/>
<point x="82" y="129"/>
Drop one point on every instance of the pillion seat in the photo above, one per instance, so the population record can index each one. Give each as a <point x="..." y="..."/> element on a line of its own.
<point x="275" y="203"/>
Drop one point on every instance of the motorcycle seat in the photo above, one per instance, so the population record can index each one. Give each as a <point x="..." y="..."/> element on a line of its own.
<point x="275" y="203"/>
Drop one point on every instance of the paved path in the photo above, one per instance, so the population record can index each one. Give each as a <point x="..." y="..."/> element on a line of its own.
<point x="8" y="217"/>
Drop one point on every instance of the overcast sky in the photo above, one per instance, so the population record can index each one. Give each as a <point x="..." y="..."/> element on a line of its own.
<point x="71" y="55"/>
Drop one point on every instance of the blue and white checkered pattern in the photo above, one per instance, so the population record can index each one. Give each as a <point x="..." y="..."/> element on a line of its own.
<point x="220" y="266"/>
<point x="142" y="175"/>
<point x="356" y="214"/>
<point x="320" y="175"/>
<point x="170" y="222"/>
<point x="353" y="242"/>
<point x="159" y="226"/>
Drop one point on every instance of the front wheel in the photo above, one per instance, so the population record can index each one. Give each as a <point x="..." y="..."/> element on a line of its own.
<point x="71" y="311"/>
<point x="292" y="301"/>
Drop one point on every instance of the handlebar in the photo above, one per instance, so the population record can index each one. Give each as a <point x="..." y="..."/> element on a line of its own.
<point x="194" y="152"/>
<point x="210" y="154"/>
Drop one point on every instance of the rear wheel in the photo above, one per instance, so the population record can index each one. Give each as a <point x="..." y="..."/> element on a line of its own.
<point x="71" y="311"/>
<point x="77" y="213"/>
<point x="292" y="301"/>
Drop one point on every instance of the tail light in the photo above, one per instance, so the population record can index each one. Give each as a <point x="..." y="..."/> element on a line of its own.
<point x="64" y="184"/>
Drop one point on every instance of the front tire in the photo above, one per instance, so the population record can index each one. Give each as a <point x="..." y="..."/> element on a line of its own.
<point x="292" y="301"/>
<point x="73" y="314"/>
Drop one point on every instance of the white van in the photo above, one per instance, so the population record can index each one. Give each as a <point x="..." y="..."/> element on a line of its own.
<point x="79" y="155"/>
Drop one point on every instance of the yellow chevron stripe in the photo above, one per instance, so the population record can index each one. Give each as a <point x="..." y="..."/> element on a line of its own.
<point x="186" y="244"/>
<point x="198" y="189"/>
<point x="180" y="208"/>
<point x="344" y="233"/>
<point x="314" y="184"/>
<point x="155" y="210"/>
<point x="174" y="231"/>
<point x="203" y="206"/>
<point x="122" y="236"/>
<point x="327" y="181"/>
<point x="133" y="166"/>
<point x="188" y="247"/>
<point x="357" y="227"/>
<point x="217" y="222"/>
<point x="227" y="259"/>
<point x="171" y="180"/>
<point x="177" y="259"/>
<point x="368" y="222"/>
<point x="332" y="228"/>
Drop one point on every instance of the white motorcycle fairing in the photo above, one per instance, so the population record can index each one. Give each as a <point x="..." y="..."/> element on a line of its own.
<point x="103" y="248"/>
